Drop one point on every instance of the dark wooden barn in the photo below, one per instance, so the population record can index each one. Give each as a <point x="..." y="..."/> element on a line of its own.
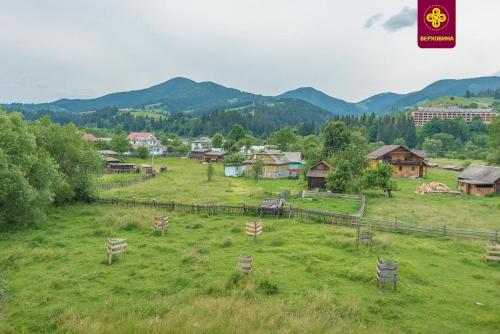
<point x="316" y="176"/>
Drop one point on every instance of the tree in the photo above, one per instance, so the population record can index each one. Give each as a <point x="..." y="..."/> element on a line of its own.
<point x="283" y="138"/>
<point x="433" y="147"/>
<point x="142" y="152"/>
<point x="400" y="141"/>
<point x="78" y="161"/>
<point x="340" y="178"/>
<point x="236" y="133"/>
<point x="210" y="171"/>
<point x="120" y="143"/>
<point x="336" y="137"/>
<point x="494" y="141"/>
<point x="380" y="177"/>
<point x="217" y="140"/>
<point x="257" y="170"/>
<point x="234" y="158"/>
<point x="28" y="175"/>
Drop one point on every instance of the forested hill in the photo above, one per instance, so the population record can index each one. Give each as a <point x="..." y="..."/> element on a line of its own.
<point x="175" y="95"/>
<point x="259" y="118"/>
<point x="264" y="118"/>
<point x="184" y="95"/>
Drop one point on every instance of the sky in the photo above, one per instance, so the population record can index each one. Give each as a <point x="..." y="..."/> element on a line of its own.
<point x="348" y="49"/>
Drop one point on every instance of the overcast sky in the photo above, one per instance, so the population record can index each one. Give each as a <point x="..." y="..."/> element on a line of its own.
<point x="349" y="49"/>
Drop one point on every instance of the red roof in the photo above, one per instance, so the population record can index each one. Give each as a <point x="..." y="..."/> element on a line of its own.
<point x="135" y="135"/>
<point x="89" y="137"/>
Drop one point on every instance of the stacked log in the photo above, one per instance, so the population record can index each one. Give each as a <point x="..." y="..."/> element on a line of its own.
<point x="432" y="188"/>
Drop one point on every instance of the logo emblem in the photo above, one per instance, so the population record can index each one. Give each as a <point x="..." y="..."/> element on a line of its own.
<point x="436" y="23"/>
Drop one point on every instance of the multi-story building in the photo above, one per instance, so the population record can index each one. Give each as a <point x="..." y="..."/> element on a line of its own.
<point x="424" y="115"/>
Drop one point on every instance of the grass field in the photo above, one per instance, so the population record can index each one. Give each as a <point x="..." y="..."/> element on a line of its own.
<point x="308" y="278"/>
<point x="115" y="178"/>
<point x="460" y="101"/>
<point x="186" y="182"/>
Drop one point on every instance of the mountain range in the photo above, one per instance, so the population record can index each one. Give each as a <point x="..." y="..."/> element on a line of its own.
<point x="185" y="95"/>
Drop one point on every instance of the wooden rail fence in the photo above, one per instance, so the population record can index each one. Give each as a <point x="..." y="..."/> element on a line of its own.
<point x="317" y="216"/>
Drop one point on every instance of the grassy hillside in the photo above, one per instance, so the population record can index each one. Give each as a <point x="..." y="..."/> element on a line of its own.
<point x="307" y="278"/>
<point x="460" y="101"/>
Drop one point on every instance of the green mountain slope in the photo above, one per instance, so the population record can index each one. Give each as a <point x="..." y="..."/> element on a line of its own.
<point x="322" y="100"/>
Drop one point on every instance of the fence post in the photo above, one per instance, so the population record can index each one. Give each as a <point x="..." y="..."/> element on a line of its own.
<point x="133" y="201"/>
<point x="496" y="236"/>
<point x="154" y="203"/>
<point x="396" y="224"/>
<point x="115" y="199"/>
<point x="444" y="230"/>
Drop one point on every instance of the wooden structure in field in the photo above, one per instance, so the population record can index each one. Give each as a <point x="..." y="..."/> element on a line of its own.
<point x="161" y="224"/>
<point x="365" y="236"/>
<point x="387" y="272"/>
<point x="116" y="246"/>
<point x="254" y="229"/>
<point x="493" y="252"/>
<point x="245" y="264"/>
<point x="479" y="180"/>
<point x="316" y="176"/>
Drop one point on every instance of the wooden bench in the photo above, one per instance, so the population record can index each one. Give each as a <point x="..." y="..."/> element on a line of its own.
<point x="493" y="252"/>
<point x="116" y="246"/>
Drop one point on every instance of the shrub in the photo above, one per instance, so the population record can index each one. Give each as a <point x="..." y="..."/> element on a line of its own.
<point x="226" y="243"/>
<point x="267" y="287"/>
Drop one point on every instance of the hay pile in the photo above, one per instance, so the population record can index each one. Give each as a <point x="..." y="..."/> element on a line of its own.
<point x="431" y="187"/>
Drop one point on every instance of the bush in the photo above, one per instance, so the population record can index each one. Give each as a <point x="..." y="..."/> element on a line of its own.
<point x="267" y="287"/>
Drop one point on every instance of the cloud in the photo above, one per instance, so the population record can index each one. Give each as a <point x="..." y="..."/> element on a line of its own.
<point x="407" y="17"/>
<point x="372" y="20"/>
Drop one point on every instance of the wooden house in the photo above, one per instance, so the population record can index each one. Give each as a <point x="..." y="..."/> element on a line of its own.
<point x="405" y="162"/>
<point x="295" y="163"/>
<point x="275" y="164"/>
<point x="479" y="180"/>
<point x="316" y="176"/>
<point x="214" y="156"/>
<point x="199" y="153"/>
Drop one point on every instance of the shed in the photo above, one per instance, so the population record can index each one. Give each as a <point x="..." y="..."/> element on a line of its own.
<point x="316" y="176"/>
<point x="121" y="168"/>
<point x="214" y="156"/>
<point x="234" y="170"/>
<point x="479" y="180"/>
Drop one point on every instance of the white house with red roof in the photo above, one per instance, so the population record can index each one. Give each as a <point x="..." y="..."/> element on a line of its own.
<point x="148" y="139"/>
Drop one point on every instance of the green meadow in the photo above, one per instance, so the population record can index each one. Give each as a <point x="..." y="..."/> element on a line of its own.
<point x="307" y="278"/>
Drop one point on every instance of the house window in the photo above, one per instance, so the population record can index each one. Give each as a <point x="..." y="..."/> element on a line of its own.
<point x="412" y="168"/>
<point x="400" y="168"/>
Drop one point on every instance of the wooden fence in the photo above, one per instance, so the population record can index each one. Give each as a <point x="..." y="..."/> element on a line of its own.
<point x="121" y="184"/>
<point x="317" y="216"/>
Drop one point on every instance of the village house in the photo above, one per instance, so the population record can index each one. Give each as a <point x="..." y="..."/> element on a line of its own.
<point x="405" y="162"/>
<point x="250" y="151"/>
<point x="89" y="137"/>
<point x="316" y="176"/>
<point x="295" y="163"/>
<point x="275" y="164"/>
<point x="199" y="153"/>
<point x="147" y="139"/>
<point x="214" y="155"/>
<point x="234" y="170"/>
<point x="479" y="180"/>
<point x="202" y="143"/>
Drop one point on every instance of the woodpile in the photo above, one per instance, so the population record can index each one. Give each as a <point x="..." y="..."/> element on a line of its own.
<point x="161" y="224"/>
<point x="432" y="187"/>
